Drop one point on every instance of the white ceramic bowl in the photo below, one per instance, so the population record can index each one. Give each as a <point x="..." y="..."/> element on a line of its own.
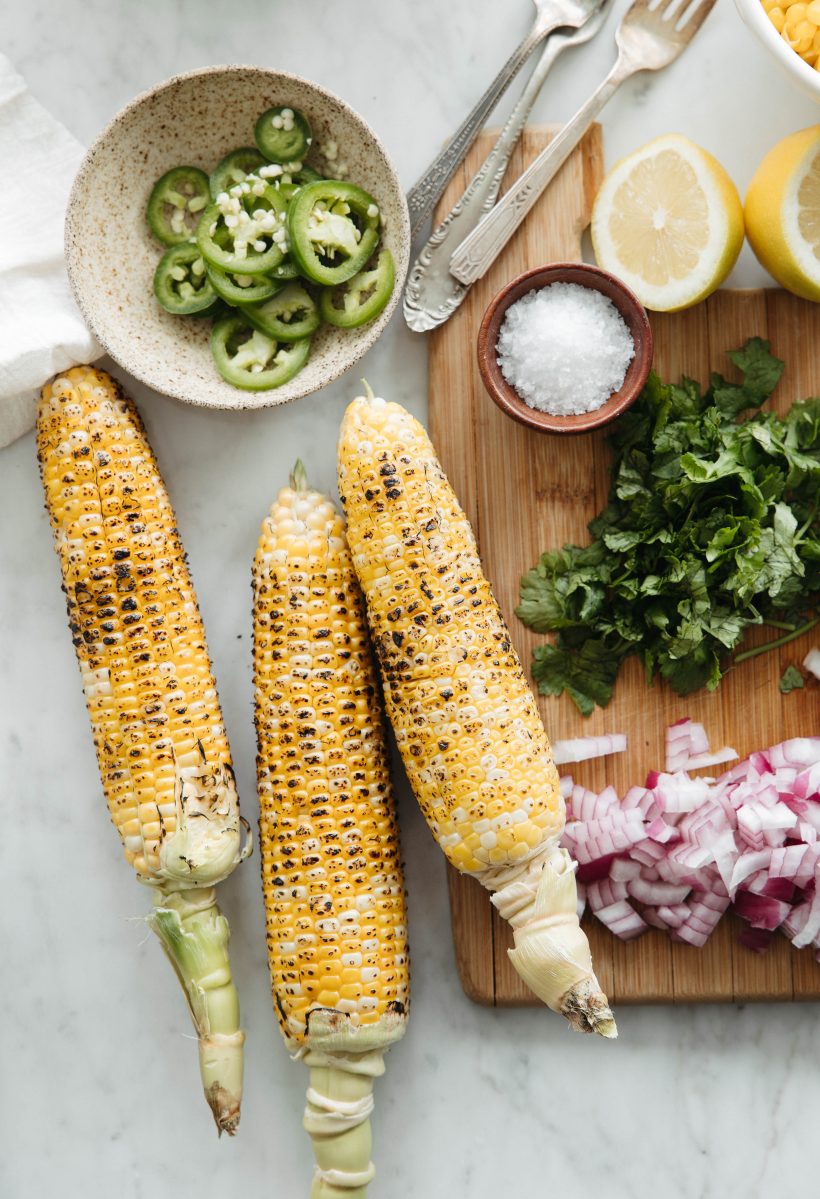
<point x="801" y="73"/>
<point x="196" y="119"/>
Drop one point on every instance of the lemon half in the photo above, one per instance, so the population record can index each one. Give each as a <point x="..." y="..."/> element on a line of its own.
<point x="668" y="221"/>
<point x="783" y="213"/>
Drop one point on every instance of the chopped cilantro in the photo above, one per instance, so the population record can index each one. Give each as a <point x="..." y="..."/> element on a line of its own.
<point x="711" y="527"/>
<point x="790" y="680"/>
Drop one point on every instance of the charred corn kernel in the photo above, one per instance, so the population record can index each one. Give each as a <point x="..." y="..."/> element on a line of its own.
<point x="444" y="649"/>
<point x="163" y="755"/>
<point x="465" y="720"/>
<point x="331" y="870"/>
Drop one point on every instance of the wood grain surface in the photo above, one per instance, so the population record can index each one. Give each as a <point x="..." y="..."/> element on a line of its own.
<point x="526" y="492"/>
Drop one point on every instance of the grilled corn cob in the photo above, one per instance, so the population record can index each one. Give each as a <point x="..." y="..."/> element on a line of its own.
<point x="161" y="748"/>
<point x="331" y="872"/>
<point x="465" y="720"/>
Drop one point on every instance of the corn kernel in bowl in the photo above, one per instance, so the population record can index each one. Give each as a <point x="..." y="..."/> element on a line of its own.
<point x="799" y="26"/>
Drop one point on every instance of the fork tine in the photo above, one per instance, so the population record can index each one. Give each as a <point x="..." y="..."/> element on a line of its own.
<point x="690" y="20"/>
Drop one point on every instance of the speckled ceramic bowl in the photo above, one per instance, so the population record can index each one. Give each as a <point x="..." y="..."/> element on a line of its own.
<point x="196" y="119"/>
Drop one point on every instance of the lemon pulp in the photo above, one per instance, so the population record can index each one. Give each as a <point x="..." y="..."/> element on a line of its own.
<point x="669" y="222"/>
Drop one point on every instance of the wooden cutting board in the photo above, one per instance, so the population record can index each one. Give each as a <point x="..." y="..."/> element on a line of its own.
<point x="526" y="492"/>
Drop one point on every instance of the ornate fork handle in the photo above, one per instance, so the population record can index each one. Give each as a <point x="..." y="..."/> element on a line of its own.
<point x="479" y="250"/>
<point x="432" y="294"/>
<point x="429" y="188"/>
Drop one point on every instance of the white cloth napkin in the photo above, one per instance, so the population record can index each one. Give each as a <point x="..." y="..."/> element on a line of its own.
<point x="41" y="329"/>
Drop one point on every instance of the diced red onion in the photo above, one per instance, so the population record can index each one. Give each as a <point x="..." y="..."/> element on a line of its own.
<point x="811" y="662"/>
<point x="656" y="894"/>
<point x="591" y="872"/>
<point x="779" y="888"/>
<point x="811" y="927"/>
<point x="756" y="939"/>
<point x="623" y="870"/>
<point x="679" y="846"/>
<point x="679" y="793"/>
<point x="605" y="893"/>
<point x="698" y="761"/>
<point x="748" y="864"/>
<point x="622" y="919"/>
<point x="761" y="911"/>
<point x="581" y="749"/>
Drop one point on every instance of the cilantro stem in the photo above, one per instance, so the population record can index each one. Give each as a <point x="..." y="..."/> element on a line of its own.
<point x="779" y="624"/>
<point x="801" y="532"/>
<point x="784" y="640"/>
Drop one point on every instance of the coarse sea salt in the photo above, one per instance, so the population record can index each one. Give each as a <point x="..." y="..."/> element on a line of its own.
<point x="565" y="348"/>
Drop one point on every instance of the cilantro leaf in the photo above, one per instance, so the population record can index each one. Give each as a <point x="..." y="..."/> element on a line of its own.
<point x="564" y="589"/>
<point x="587" y="674"/>
<point x="790" y="680"/>
<point x="711" y="527"/>
<point x="761" y="370"/>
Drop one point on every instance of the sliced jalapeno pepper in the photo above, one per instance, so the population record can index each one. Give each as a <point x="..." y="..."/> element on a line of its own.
<point x="283" y="134"/>
<point x="287" y="190"/>
<point x="181" y="282"/>
<point x="235" y="167"/>
<point x="243" y="289"/>
<point x="176" y="204"/>
<point x="291" y="315"/>
<point x="287" y="269"/>
<point x="362" y="298"/>
<point x="244" y="234"/>
<point x="333" y="229"/>
<point x="245" y="357"/>
<point x="307" y="175"/>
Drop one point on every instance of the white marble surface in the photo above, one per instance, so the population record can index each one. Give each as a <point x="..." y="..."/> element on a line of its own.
<point x="98" y="1092"/>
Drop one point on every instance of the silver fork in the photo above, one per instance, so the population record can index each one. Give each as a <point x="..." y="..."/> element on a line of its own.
<point x="432" y="294"/>
<point x="651" y="35"/>
<point x="428" y="190"/>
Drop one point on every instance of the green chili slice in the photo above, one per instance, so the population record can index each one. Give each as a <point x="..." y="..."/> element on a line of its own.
<point x="289" y="316"/>
<point x="287" y="269"/>
<point x="363" y="297"/>
<point x="235" y="167"/>
<point x="243" y="289"/>
<point x="333" y="229"/>
<point x="241" y="236"/>
<point x="308" y="175"/>
<point x="283" y="134"/>
<point x="176" y="204"/>
<point x="181" y="282"/>
<point x="247" y="358"/>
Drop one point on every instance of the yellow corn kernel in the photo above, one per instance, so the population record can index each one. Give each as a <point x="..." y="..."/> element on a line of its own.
<point x="326" y="805"/>
<point x="799" y="35"/>
<point x="798" y="25"/>
<point x="443" y="647"/>
<point x="483" y="773"/>
<point x="162" y="750"/>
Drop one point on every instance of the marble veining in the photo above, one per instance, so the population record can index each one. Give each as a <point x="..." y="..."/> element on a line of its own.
<point x="99" y="1091"/>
